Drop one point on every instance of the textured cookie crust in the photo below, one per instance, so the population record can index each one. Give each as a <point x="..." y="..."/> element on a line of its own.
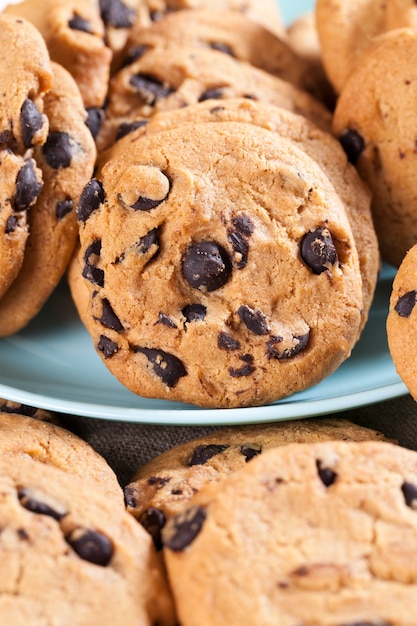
<point x="374" y="119"/>
<point x="303" y="534"/>
<point x="163" y="488"/>
<point x="212" y="288"/>
<point x="67" y="551"/>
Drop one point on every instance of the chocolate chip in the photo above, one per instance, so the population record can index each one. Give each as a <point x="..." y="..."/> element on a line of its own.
<point x="91" y="546"/>
<point x="22" y="534"/>
<point x="206" y="265"/>
<point x="133" y="54"/>
<point x="158" y="481"/>
<point x="19" y="409"/>
<point x="318" y="251"/>
<point x="109" y="318"/>
<point x="184" y="528"/>
<point x="130" y="497"/>
<point x="11" y="224"/>
<point x="165" y="320"/>
<point x="28" y="187"/>
<point x="115" y="13"/>
<point x="58" y="150"/>
<point x="32" y="502"/>
<point x="227" y="342"/>
<point x="128" y="127"/>
<point x="107" y="347"/>
<point x="79" y="23"/>
<point x="95" y="119"/>
<point x="250" y="450"/>
<point x="211" y="94"/>
<point x="222" y="47"/>
<point x="63" y="208"/>
<point x="245" y="370"/>
<point x="353" y="145"/>
<point x="240" y="246"/>
<point x="150" y="89"/>
<point x="410" y="494"/>
<point x="300" y="344"/>
<point x="194" y="312"/>
<point x="243" y="224"/>
<point x="255" y="321"/>
<point x="31" y="121"/>
<point x="327" y="475"/>
<point x="204" y="452"/>
<point x="166" y="366"/>
<point x="90" y="271"/>
<point x="145" y="204"/>
<point x="5" y="136"/>
<point x="406" y="303"/>
<point x="153" y="520"/>
<point x="90" y="199"/>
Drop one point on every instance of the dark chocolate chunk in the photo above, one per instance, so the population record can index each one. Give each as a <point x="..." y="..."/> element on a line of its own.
<point x="158" y="481"/>
<point x="91" y="546"/>
<point x="184" y="528"/>
<point x="327" y="475"/>
<point x="165" y="320"/>
<point x="58" y="150"/>
<point x="19" y="409"/>
<point x="90" y="271"/>
<point x="212" y="94"/>
<point x="147" y="241"/>
<point x="194" y="312"/>
<point x="222" y="47"/>
<point x="206" y="265"/>
<point x="318" y="251"/>
<point x="95" y="119"/>
<point x="245" y="370"/>
<point x="240" y="247"/>
<point x="149" y="88"/>
<point x="115" y="13"/>
<point x="109" y="318"/>
<point x="63" y="208"/>
<point x="31" y="121"/>
<point x="227" y="342"/>
<point x="90" y="199"/>
<point x="255" y="321"/>
<point x="353" y="145"/>
<point x="153" y="520"/>
<point x="28" y="187"/>
<point x="32" y="502"/>
<point x="406" y="303"/>
<point x="250" y="450"/>
<point x="79" y="23"/>
<point x="166" y="366"/>
<point x="130" y="497"/>
<point x="128" y="127"/>
<point x="22" y="534"/>
<point x="107" y="347"/>
<point x="133" y="54"/>
<point x="300" y="344"/>
<point x="410" y="494"/>
<point x="145" y="204"/>
<point x="243" y="224"/>
<point x="5" y="136"/>
<point x="204" y="452"/>
<point x="11" y="224"/>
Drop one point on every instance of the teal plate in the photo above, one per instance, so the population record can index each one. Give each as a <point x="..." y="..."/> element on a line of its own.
<point x="52" y="364"/>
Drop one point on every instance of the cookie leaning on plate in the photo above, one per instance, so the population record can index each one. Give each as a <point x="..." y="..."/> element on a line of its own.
<point x="210" y="288"/>
<point x="164" y="487"/>
<point x="66" y="551"/>
<point x="303" y="534"/>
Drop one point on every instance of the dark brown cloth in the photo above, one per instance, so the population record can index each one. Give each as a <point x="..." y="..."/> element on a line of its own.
<point x="127" y="445"/>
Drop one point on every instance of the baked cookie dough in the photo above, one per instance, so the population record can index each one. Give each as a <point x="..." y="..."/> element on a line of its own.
<point x="164" y="487"/>
<point x="317" y="533"/>
<point x="223" y="277"/>
<point x="374" y="119"/>
<point x="67" y="551"/>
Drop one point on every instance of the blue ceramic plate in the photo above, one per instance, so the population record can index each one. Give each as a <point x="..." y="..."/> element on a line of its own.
<point x="52" y="364"/>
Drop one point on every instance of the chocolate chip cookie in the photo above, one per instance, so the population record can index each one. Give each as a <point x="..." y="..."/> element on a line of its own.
<point x="163" y="487"/>
<point x="208" y="287"/>
<point x="303" y="534"/>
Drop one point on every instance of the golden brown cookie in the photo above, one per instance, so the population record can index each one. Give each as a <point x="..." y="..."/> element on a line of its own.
<point x="67" y="551"/>
<point x="374" y="119"/>
<point x="164" y="487"/>
<point x="304" y="534"/>
<point x="208" y="287"/>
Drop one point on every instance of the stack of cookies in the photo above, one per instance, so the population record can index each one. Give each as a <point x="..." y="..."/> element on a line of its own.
<point x="227" y="255"/>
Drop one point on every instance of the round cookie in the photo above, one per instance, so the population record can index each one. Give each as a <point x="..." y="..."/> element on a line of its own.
<point x="374" y="120"/>
<point x="67" y="160"/>
<point x="164" y="487"/>
<point x="303" y="534"/>
<point x="174" y="77"/>
<point x="319" y="145"/>
<point x="67" y="551"/>
<point x="401" y="321"/>
<point x="56" y="446"/>
<point x="213" y="307"/>
<point x="73" y="32"/>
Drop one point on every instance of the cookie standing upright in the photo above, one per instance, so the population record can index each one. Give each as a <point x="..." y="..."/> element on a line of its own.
<point x="67" y="160"/>
<point x="303" y="534"/>
<point x="374" y="119"/>
<point x="213" y="307"/>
